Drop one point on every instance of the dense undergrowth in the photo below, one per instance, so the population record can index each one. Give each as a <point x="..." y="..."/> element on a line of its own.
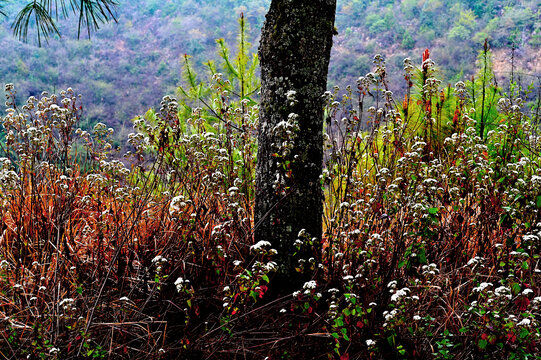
<point x="432" y="227"/>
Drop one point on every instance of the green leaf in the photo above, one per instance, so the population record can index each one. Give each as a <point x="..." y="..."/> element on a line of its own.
<point x="335" y="335"/>
<point x="422" y="256"/>
<point x="391" y="340"/>
<point x="266" y="278"/>
<point x="482" y="344"/>
<point x="433" y="211"/>
<point x="525" y="265"/>
<point x="515" y="288"/>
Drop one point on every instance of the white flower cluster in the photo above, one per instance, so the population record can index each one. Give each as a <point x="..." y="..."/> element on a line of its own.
<point x="159" y="259"/>
<point x="67" y="304"/>
<point x="430" y="269"/>
<point x="474" y="261"/>
<point x="181" y="283"/>
<point x="399" y="294"/>
<point x="8" y="178"/>
<point x="310" y="285"/>
<point x="481" y="287"/>
<point x="389" y="315"/>
<point x="259" y="246"/>
<point x="176" y="205"/>
<point x="503" y="291"/>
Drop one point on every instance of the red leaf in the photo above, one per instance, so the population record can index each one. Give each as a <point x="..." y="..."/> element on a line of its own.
<point x="522" y="303"/>
<point x="426" y="55"/>
<point x="511" y="338"/>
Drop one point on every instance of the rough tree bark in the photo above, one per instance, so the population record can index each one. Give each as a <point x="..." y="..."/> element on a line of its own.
<point x="294" y="55"/>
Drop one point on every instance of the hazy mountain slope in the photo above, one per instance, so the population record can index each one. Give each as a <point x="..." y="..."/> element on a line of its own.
<point x="129" y="66"/>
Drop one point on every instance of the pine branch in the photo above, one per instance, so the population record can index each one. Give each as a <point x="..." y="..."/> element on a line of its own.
<point x="43" y="13"/>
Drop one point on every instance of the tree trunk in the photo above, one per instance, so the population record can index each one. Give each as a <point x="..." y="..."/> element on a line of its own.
<point x="294" y="52"/>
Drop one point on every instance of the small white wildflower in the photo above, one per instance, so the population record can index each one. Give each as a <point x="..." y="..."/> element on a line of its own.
<point x="398" y="294"/>
<point x="291" y="94"/>
<point x="524" y="322"/>
<point x="237" y="262"/>
<point x="309" y="285"/>
<point x="66" y="303"/>
<point x="370" y="342"/>
<point x="260" y="245"/>
<point x="159" y="259"/>
<point x="177" y="203"/>
<point x="416" y="317"/>
<point x="481" y="287"/>
<point x="180" y="283"/>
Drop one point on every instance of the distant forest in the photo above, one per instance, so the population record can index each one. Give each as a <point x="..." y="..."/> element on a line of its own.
<point x="127" y="67"/>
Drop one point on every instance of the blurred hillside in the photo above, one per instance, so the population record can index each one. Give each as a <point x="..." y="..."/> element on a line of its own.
<point x="127" y="67"/>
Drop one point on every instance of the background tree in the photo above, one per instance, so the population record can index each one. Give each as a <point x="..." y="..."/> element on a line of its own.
<point x="44" y="14"/>
<point x="294" y="54"/>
